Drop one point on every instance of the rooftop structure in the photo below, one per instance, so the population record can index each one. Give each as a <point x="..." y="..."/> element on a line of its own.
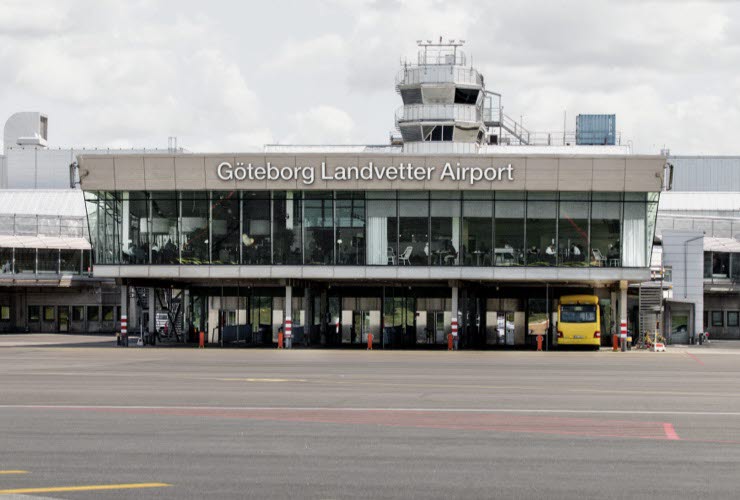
<point x="447" y="109"/>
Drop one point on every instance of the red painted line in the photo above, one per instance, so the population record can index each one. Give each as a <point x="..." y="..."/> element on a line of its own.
<point x="695" y="358"/>
<point x="468" y="421"/>
<point x="670" y="431"/>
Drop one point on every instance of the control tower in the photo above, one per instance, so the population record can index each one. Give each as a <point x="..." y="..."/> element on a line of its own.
<point x="446" y="108"/>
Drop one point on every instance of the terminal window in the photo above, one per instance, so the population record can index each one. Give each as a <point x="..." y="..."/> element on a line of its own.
<point x="48" y="313"/>
<point x="33" y="313"/>
<point x="733" y="318"/>
<point x="4" y="313"/>
<point x="717" y="318"/>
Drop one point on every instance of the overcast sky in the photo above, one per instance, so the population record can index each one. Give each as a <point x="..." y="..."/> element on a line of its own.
<point x="236" y="75"/>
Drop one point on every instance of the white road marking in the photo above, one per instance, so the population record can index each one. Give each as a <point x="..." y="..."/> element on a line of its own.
<point x="319" y="408"/>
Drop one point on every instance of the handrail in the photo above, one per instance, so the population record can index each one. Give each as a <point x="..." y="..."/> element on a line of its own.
<point x="438" y="112"/>
<point x="444" y="73"/>
<point x="47" y="225"/>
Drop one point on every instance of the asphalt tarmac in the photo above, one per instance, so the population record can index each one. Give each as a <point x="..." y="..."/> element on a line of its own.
<point x="80" y="418"/>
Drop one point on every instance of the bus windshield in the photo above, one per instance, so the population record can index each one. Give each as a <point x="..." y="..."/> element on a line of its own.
<point x="577" y="313"/>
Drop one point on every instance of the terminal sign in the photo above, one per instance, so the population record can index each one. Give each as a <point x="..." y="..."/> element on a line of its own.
<point x="403" y="172"/>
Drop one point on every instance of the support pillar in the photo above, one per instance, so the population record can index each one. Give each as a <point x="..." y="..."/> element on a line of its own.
<point x="133" y="313"/>
<point x="307" y="313"/>
<point x="454" y="321"/>
<point x="152" y="311"/>
<point x="614" y="323"/>
<point x="124" y="315"/>
<point x="288" y="323"/>
<point x="623" y="314"/>
<point x="185" y="315"/>
<point x="325" y="319"/>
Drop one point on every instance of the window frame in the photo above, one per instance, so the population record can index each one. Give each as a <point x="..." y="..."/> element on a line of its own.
<point x="81" y="310"/>
<point x="736" y="316"/>
<point x="45" y="316"/>
<point x="95" y="308"/>
<point x="715" y="322"/>
<point x="35" y="317"/>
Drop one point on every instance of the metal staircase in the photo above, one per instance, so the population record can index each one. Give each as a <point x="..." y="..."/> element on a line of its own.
<point x="495" y="118"/>
<point x="171" y="303"/>
<point x="650" y="303"/>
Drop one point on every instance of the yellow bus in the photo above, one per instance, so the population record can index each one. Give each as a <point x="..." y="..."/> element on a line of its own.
<point x="579" y="321"/>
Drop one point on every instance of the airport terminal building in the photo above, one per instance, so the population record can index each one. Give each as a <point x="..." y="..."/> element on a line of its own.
<point x="466" y="222"/>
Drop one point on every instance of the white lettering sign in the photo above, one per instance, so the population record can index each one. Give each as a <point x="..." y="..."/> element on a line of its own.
<point x="239" y="171"/>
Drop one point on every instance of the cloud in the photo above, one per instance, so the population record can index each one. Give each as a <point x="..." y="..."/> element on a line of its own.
<point x="120" y="81"/>
<point x="321" y="125"/>
<point x="136" y="72"/>
<point x="295" y="55"/>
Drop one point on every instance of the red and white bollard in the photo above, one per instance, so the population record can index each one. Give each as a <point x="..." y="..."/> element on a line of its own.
<point x="623" y="334"/>
<point x="124" y="330"/>
<point x="288" y="333"/>
<point x="454" y="334"/>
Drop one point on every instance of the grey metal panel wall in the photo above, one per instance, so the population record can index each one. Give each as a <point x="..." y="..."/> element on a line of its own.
<point x="633" y="173"/>
<point x="685" y="255"/>
<point x="706" y="173"/>
<point x="716" y="227"/>
<point x="21" y="167"/>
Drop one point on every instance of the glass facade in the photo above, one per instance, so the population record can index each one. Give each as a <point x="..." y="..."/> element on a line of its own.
<point x="44" y="261"/>
<point x="722" y="265"/>
<point x="401" y="228"/>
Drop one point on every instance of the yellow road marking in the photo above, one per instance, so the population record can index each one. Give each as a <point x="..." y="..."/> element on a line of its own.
<point x="7" y="472"/>
<point x="92" y="487"/>
<point x="263" y="379"/>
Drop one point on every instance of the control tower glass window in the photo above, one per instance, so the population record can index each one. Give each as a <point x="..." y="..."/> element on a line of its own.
<point x="437" y="133"/>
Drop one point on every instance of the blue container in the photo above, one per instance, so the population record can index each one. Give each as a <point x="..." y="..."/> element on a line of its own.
<point x="592" y="130"/>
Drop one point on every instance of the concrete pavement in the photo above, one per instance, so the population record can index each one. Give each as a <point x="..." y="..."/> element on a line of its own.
<point x="355" y="424"/>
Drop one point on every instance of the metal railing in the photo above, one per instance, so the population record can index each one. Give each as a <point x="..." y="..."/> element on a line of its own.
<point x="438" y="112"/>
<point x="43" y="225"/>
<point x="446" y="73"/>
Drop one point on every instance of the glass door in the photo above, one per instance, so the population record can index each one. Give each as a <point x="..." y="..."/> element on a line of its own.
<point x="63" y="319"/>
<point x="360" y="327"/>
<point x="436" y="327"/>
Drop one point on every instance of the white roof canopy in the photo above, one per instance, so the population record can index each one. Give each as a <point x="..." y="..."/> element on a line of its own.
<point x="712" y="244"/>
<point x="52" y="242"/>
